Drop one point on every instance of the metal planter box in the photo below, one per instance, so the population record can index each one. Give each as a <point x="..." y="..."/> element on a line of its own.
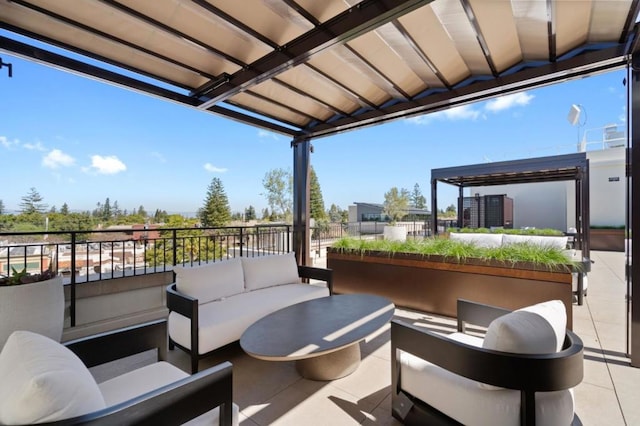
<point x="433" y="284"/>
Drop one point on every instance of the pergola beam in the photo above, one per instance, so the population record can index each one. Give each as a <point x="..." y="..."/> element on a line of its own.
<point x="358" y="20"/>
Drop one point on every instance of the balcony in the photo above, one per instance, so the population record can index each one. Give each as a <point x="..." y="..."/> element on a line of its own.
<point x="274" y="393"/>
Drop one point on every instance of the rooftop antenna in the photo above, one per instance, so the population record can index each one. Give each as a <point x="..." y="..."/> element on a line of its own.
<point x="576" y="112"/>
<point x="8" y="65"/>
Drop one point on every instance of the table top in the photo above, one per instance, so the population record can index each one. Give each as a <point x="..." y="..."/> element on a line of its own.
<point x="316" y="327"/>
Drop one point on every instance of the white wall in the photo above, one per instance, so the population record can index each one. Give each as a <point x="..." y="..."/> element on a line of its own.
<point x="539" y="205"/>
<point x="608" y="198"/>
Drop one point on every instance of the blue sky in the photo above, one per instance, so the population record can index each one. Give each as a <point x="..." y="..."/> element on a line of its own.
<point x="80" y="141"/>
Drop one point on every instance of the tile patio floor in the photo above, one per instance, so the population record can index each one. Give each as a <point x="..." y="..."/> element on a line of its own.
<point x="272" y="393"/>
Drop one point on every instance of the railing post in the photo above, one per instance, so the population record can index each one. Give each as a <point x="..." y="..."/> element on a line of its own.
<point x="72" y="306"/>
<point x="241" y="239"/>
<point x="175" y="247"/>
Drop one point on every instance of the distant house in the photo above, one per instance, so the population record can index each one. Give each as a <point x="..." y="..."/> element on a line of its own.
<point x="34" y="258"/>
<point x="138" y="231"/>
<point x="373" y="212"/>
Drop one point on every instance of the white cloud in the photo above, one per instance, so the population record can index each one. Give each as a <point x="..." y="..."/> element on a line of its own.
<point x="34" y="146"/>
<point x="56" y="158"/>
<point x="469" y="112"/>
<point x="463" y="112"/>
<point x="264" y="134"/>
<point x="5" y="142"/>
<point x="158" y="157"/>
<point x="108" y="165"/>
<point x="508" y="101"/>
<point x="213" y="169"/>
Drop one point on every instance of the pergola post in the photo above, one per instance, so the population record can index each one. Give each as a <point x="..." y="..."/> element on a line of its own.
<point x="301" y="167"/>
<point x="434" y="207"/>
<point x="634" y="217"/>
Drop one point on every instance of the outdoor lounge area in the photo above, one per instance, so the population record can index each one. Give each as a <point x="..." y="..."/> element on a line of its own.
<point x="308" y="71"/>
<point x="274" y="392"/>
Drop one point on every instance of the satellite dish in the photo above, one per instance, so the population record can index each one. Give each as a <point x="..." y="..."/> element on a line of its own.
<point x="574" y="114"/>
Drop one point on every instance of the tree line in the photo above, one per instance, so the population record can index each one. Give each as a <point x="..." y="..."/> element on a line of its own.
<point x="36" y="215"/>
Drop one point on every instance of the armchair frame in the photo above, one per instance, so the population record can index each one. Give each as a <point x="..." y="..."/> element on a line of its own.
<point x="188" y="307"/>
<point x="175" y="403"/>
<point x="527" y="373"/>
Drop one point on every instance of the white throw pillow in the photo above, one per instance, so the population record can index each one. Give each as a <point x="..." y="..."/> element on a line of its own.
<point x="212" y="281"/>
<point x="43" y="381"/>
<point x="536" y="329"/>
<point x="267" y="271"/>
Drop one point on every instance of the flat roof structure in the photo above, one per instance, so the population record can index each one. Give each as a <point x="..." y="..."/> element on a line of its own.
<point x="573" y="167"/>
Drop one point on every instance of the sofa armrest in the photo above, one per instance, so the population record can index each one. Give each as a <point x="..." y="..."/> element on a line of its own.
<point x="321" y="274"/>
<point x="175" y="403"/>
<point x="112" y="345"/>
<point x="477" y="313"/>
<point x="525" y="372"/>
<point x="181" y="303"/>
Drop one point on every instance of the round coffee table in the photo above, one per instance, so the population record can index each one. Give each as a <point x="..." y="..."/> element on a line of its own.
<point x="322" y="335"/>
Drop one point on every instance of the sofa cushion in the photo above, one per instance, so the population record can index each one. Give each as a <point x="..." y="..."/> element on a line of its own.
<point x="43" y="381"/>
<point x="478" y="239"/>
<point x="559" y="242"/>
<point x="224" y="321"/>
<point x="267" y="271"/>
<point x="211" y="281"/>
<point x="536" y="329"/>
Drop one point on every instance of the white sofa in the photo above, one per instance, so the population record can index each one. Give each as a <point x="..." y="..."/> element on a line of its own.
<point x="211" y="305"/>
<point x="47" y="382"/>
<point x="498" y="239"/>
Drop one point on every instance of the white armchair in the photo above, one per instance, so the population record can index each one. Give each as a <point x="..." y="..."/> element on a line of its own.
<point x="521" y="372"/>
<point x="46" y="382"/>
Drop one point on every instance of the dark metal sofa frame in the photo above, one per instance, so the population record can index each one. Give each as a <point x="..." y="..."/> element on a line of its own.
<point x="172" y="404"/>
<point x="527" y="373"/>
<point x="188" y="306"/>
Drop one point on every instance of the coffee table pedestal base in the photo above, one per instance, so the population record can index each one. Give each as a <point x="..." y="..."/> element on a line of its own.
<point x="330" y="366"/>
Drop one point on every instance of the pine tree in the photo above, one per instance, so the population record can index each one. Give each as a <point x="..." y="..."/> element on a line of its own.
<point x="216" y="210"/>
<point x="250" y="213"/>
<point x="417" y="199"/>
<point x="106" y="210"/>
<point x="32" y="203"/>
<point x="1" y="207"/>
<point x="315" y="198"/>
<point x="64" y="209"/>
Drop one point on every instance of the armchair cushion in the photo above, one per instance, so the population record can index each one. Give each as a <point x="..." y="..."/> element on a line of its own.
<point x="536" y="329"/>
<point x="43" y="381"/>
<point x="212" y="281"/>
<point x="140" y="381"/>
<point x="268" y="271"/>
<point x="468" y="402"/>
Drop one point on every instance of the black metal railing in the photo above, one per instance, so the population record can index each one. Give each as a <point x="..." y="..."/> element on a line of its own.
<point x="81" y="256"/>
<point x="86" y="256"/>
